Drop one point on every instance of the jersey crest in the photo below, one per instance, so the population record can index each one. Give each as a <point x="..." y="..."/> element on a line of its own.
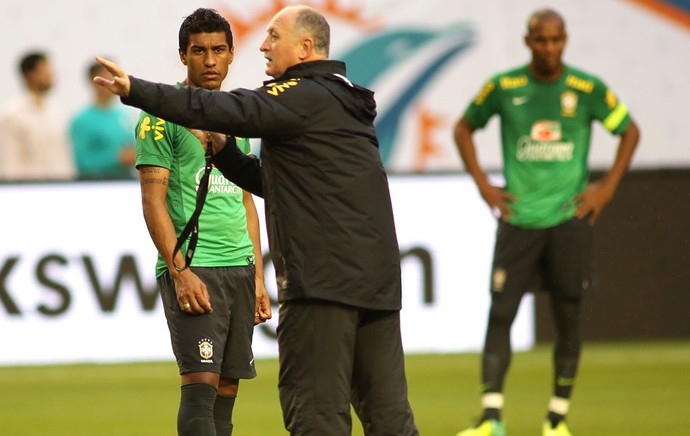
<point x="206" y="350"/>
<point x="568" y="103"/>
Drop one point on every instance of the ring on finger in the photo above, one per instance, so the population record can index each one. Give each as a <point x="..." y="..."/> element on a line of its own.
<point x="186" y="305"/>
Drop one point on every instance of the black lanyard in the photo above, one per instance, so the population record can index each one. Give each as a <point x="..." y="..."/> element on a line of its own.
<point x="192" y="226"/>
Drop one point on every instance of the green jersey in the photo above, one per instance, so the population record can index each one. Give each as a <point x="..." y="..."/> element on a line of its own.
<point x="223" y="236"/>
<point x="545" y="134"/>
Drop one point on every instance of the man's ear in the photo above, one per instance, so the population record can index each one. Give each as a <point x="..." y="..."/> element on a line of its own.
<point x="231" y="57"/>
<point x="306" y="48"/>
<point x="183" y="57"/>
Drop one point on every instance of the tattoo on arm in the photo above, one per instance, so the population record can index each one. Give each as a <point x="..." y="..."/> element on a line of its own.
<point x="149" y="176"/>
<point x="153" y="181"/>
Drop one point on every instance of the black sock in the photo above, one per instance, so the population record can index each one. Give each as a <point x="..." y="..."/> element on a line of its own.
<point x="491" y="413"/>
<point x="195" y="416"/>
<point x="222" y="414"/>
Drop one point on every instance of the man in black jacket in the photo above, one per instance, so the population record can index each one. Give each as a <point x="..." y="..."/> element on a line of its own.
<point x="330" y="223"/>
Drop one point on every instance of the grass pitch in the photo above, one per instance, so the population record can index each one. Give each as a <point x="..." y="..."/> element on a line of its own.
<point x="624" y="389"/>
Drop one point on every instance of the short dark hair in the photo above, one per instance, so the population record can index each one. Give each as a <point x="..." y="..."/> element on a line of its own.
<point x="310" y="21"/>
<point x="543" y="14"/>
<point x="94" y="68"/>
<point x="203" y="20"/>
<point x="31" y="60"/>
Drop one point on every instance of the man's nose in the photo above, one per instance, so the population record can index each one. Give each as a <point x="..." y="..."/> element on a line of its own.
<point x="264" y="45"/>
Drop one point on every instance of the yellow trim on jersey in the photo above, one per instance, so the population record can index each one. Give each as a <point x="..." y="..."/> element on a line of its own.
<point x="514" y="82"/>
<point x="486" y="90"/>
<point x="583" y="85"/>
<point x="616" y="117"/>
<point x="611" y="100"/>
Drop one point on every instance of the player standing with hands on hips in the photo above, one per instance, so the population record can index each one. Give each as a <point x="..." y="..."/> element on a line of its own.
<point x="329" y="218"/>
<point x="211" y="307"/>
<point x="547" y="208"/>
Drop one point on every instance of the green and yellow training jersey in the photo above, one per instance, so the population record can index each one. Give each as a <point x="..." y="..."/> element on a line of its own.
<point x="223" y="236"/>
<point x="545" y="134"/>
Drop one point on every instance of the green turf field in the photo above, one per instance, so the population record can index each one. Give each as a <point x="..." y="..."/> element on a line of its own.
<point x="624" y="389"/>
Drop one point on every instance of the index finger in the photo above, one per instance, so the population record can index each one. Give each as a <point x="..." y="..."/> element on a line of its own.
<point x="111" y="66"/>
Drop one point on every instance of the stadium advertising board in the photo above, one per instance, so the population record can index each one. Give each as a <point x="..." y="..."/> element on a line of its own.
<point x="77" y="283"/>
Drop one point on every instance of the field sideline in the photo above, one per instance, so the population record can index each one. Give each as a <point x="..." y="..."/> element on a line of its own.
<point x="624" y="389"/>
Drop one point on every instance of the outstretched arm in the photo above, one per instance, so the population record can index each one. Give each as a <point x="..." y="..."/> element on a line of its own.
<point x="241" y="112"/>
<point x="599" y="194"/>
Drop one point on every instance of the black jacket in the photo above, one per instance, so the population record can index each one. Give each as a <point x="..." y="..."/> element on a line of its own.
<point x="328" y="208"/>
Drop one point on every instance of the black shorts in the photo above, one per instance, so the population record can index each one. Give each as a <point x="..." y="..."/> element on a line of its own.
<point x="556" y="259"/>
<point x="220" y="341"/>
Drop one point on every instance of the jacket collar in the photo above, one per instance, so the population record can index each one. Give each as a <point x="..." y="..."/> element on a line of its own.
<point x="312" y="68"/>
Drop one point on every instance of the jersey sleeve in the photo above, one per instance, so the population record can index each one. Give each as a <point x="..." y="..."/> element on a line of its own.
<point x="611" y="112"/>
<point x="484" y="105"/>
<point x="154" y="141"/>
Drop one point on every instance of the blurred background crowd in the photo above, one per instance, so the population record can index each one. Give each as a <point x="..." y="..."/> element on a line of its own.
<point x="39" y="142"/>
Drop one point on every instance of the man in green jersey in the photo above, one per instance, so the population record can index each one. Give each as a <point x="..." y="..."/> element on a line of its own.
<point x="547" y="208"/>
<point x="211" y="307"/>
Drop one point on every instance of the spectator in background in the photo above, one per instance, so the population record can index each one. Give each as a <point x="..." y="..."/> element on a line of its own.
<point x="33" y="137"/>
<point x="102" y="135"/>
<point x="547" y="208"/>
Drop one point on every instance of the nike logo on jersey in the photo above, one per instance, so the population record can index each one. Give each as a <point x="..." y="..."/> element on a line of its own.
<point x="517" y="101"/>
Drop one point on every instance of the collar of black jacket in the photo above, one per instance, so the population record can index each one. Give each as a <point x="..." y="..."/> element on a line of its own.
<point x="313" y="68"/>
